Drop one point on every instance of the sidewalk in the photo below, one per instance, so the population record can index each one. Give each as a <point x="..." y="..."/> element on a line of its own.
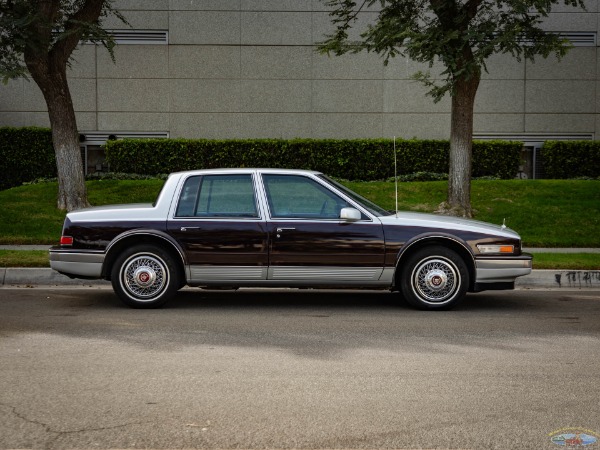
<point x="539" y="279"/>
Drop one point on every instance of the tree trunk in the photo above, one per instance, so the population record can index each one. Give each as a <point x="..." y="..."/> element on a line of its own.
<point x="461" y="148"/>
<point x="71" y="181"/>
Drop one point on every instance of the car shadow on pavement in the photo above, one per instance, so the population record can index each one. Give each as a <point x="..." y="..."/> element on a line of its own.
<point x="308" y="323"/>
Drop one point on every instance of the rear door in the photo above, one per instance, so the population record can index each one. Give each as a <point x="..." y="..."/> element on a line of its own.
<point x="219" y="225"/>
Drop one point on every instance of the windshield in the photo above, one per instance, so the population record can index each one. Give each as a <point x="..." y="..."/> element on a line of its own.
<point x="374" y="209"/>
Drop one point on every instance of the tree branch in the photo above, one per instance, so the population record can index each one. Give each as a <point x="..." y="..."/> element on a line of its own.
<point x="471" y="8"/>
<point x="88" y="13"/>
<point x="446" y="12"/>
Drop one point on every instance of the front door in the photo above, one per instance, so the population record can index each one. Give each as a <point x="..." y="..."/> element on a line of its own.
<point x="309" y="242"/>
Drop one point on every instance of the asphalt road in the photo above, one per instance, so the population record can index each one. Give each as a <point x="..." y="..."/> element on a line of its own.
<point x="297" y="369"/>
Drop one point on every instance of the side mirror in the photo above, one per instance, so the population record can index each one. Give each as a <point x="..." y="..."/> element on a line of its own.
<point x="350" y="214"/>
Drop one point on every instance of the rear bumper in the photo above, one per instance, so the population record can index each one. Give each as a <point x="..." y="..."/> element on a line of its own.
<point x="77" y="263"/>
<point x="497" y="271"/>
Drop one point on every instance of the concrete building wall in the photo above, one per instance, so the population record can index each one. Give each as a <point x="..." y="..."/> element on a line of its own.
<point x="248" y="68"/>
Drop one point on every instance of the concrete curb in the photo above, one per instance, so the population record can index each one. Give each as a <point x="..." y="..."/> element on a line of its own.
<point x="540" y="279"/>
<point x="568" y="279"/>
<point x="22" y="276"/>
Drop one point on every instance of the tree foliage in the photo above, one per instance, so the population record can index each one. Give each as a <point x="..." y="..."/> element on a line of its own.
<point x="52" y="27"/>
<point x="460" y="35"/>
<point x="37" y="39"/>
<point x="444" y="31"/>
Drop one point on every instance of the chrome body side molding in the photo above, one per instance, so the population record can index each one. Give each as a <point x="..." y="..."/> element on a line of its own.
<point x="324" y="274"/>
<point x="289" y="276"/>
<point x="224" y="274"/>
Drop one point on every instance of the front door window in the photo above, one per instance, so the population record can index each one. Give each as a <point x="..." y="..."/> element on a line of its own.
<point x="298" y="197"/>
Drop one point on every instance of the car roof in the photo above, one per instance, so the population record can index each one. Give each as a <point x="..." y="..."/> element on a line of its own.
<point x="247" y="170"/>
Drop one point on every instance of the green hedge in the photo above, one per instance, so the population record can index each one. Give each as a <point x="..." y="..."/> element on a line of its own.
<point x="360" y="159"/>
<point x="571" y="159"/>
<point x="25" y="154"/>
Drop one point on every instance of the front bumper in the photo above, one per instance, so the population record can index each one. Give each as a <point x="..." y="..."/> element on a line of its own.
<point x="77" y="263"/>
<point x="491" y="270"/>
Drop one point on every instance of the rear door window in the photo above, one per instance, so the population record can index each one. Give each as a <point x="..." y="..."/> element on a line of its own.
<point x="210" y="196"/>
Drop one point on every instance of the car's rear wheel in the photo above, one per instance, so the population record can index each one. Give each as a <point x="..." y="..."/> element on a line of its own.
<point x="434" y="277"/>
<point x="145" y="276"/>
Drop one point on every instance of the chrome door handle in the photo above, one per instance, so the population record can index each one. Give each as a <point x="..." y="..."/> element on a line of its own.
<point x="280" y="230"/>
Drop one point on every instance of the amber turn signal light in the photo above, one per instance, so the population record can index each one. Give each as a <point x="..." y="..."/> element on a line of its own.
<point x="496" y="248"/>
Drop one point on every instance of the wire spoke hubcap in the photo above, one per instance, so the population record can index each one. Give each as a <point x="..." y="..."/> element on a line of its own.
<point x="145" y="277"/>
<point x="436" y="280"/>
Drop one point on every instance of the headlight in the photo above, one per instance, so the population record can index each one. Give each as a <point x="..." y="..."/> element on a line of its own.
<point x="487" y="248"/>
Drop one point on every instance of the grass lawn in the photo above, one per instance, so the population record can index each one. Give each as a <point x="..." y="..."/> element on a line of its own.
<point x="567" y="261"/>
<point x="28" y="214"/>
<point x="24" y="258"/>
<point x="547" y="213"/>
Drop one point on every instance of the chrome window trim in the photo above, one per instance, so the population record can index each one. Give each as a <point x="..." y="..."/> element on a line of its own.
<point x="179" y="190"/>
<point x="216" y="219"/>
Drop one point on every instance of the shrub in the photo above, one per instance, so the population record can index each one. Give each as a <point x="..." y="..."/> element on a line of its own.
<point x="571" y="159"/>
<point x="25" y="154"/>
<point x="358" y="159"/>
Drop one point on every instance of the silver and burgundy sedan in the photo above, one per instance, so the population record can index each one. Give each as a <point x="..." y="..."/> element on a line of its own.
<point x="235" y="228"/>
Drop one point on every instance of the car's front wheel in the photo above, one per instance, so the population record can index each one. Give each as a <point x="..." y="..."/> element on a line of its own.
<point x="434" y="278"/>
<point x="145" y="276"/>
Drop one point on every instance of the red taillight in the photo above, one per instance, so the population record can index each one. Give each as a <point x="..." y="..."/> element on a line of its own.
<point x="66" y="240"/>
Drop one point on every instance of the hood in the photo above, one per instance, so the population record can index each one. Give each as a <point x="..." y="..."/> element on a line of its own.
<point x="447" y="223"/>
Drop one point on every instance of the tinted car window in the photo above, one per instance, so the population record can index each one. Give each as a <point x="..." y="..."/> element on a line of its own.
<point x="292" y="196"/>
<point x="374" y="209"/>
<point x="218" y="196"/>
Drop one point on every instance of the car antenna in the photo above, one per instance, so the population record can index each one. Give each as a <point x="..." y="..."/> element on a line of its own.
<point x="396" y="177"/>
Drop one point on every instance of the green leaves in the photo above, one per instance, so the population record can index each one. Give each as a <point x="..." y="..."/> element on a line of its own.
<point x="357" y="159"/>
<point x="462" y="34"/>
<point x="52" y="27"/>
<point x="25" y="154"/>
<point x="571" y="159"/>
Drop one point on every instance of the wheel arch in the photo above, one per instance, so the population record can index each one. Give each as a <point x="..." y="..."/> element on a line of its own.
<point x="135" y="237"/>
<point x="448" y="241"/>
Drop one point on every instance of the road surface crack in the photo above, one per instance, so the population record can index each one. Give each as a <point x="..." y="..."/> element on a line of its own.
<point x="59" y="433"/>
<point x="13" y="410"/>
